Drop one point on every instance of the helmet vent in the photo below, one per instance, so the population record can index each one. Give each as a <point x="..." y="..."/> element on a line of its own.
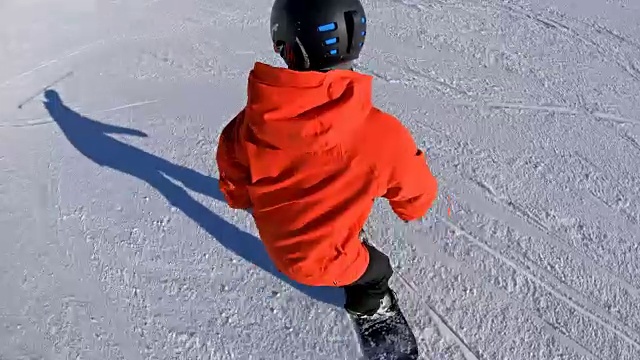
<point x="331" y="41"/>
<point x="327" y="27"/>
<point x="350" y="22"/>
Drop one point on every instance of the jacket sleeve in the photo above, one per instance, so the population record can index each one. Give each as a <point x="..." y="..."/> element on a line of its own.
<point x="232" y="166"/>
<point x="411" y="187"/>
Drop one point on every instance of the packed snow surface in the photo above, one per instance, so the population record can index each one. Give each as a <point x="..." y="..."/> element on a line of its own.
<point x="116" y="244"/>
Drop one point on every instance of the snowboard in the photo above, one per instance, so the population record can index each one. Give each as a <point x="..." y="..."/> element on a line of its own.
<point x="386" y="336"/>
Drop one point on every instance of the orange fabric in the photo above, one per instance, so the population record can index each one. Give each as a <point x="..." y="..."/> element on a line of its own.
<point x="309" y="153"/>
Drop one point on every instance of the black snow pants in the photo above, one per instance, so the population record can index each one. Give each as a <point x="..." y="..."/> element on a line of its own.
<point x="364" y="295"/>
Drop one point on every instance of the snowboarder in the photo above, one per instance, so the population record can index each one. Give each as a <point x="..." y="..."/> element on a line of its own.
<point x="309" y="153"/>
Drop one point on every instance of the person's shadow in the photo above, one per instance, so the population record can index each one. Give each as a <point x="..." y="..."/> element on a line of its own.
<point x="90" y="137"/>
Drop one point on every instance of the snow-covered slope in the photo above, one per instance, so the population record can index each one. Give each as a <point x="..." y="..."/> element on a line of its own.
<point x="115" y="243"/>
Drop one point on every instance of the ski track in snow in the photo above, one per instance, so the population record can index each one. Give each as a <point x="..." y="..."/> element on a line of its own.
<point x="529" y="114"/>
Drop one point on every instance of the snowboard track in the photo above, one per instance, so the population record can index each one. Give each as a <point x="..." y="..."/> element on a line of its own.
<point x="449" y="333"/>
<point x="582" y="307"/>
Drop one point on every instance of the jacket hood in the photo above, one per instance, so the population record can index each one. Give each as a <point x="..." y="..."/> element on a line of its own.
<point x="305" y="111"/>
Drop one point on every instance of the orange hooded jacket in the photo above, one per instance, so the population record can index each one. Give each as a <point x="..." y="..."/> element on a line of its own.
<point x="309" y="153"/>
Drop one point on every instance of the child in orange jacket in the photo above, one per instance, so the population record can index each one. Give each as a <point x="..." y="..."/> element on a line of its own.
<point x="309" y="153"/>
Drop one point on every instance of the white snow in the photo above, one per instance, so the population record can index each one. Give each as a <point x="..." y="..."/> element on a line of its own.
<point x="115" y="243"/>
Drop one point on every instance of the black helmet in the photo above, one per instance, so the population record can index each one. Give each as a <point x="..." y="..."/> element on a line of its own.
<point x="318" y="34"/>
